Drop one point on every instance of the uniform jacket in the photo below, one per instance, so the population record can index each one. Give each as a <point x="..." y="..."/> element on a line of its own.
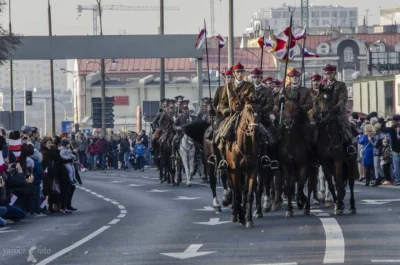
<point x="264" y="99"/>
<point x="183" y="119"/>
<point x="204" y="115"/>
<point x="217" y="97"/>
<point x="156" y="122"/>
<point x="340" y="94"/>
<point x="238" y="94"/>
<point x="302" y="94"/>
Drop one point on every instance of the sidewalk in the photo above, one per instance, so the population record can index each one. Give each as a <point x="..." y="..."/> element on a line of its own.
<point x="380" y="186"/>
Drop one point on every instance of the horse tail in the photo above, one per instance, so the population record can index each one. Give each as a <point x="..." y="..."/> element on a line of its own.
<point x="196" y="130"/>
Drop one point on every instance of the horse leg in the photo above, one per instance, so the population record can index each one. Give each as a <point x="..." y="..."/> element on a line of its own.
<point x="213" y="185"/>
<point x="339" y="204"/>
<point x="235" y="189"/>
<point x="242" y="197"/>
<point x="289" y="191"/>
<point x="302" y="180"/>
<point x="352" y="167"/>
<point x="186" y="166"/>
<point x="258" y="191"/>
<point x="227" y="195"/>
<point x="328" y="177"/>
<point x="278" y="186"/>
<point x="250" y="199"/>
<point x="268" y="182"/>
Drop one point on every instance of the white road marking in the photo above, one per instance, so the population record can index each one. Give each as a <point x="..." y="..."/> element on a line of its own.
<point x="107" y="199"/>
<point x="378" y="202"/>
<point x="121" y="216"/>
<point x="213" y="221"/>
<point x="113" y="222"/>
<point x="334" y="248"/>
<point x="316" y="211"/>
<point x="385" y="261"/>
<point x="287" y="263"/>
<point x="124" y="211"/>
<point x="73" y="246"/>
<point x="145" y="177"/>
<point x="186" y="198"/>
<point x="118" y="181"/>
<point x="136" y="185"/>
<point x="4" y="230"/>
<point x="100" y="196"/>
<point x="155" y="190"/>
<point x="206" y="208"/>
<point x="121" y="207"/>
<point x="190" y="252"/>
<point x="322" y="214"/>
<point x="114" y="202"/>
<point x="94" y="193"/>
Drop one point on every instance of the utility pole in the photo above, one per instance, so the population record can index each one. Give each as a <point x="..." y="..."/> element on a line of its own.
<point x="103" y="78"/>
<point x="11" y="75"/>
<point x="162" y="60"/>
<point x="231" y="59"/>
<point x="53" y="110"/>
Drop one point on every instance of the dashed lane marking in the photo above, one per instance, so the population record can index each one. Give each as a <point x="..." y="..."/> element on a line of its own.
<point x="334" y="247"/>
<point x="92" y="235"/>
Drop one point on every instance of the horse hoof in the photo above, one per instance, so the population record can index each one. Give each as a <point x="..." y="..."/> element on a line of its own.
<point x="276" y="207"/>
<point x="257" y="214"/>
<point x="234" y="218"/>
<point x="161" y="181"/>
<point x="289" y="214"/>
<point x="306" y="212"/>
<point x="327" y="204"/>
<point x="338" y="212"/>
<point x="315" y="202"/>
<point x="217" y="209"/>
<point x="352" y="210"/>
<point x="249" y="224"/>
<point x="189" y="184"/>
<point x="267" y="209"/>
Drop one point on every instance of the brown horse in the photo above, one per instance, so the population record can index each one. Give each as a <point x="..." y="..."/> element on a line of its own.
<point x="167" y="168"/>
<point x="294" y="157"/>
<point x="156" y="150"/>
<point x="242" y="156"/>
<point x="331" y="153"/>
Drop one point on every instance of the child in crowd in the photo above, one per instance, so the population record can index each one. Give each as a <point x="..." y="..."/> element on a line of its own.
<point x="68" y="158"/>
<point x="386" y="161"/>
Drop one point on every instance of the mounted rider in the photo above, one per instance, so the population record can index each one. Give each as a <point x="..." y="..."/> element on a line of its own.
<point x="294" y="91"/>
<point x="340" y="97"/>
<point x="315" y="85"/>
<point x="269" y="82"/>
<point x="264" y="99"/>
<point x="231" y="104"/>
<point x="218" y="96"/>
<point x="276" y="96"/>
<point x="155" y="124"/>
<point x="181" y="120"/>
<point x="205" y="112"/>
<point x="178" y="106"/>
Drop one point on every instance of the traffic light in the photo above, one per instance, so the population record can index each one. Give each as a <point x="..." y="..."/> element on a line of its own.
<point x="28" y="98"/>
<point x="96" y="112"/>
<point x="110" y="112"/>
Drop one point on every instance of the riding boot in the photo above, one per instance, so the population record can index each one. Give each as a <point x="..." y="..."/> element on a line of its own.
<point x="173" y="150"/>
<point x="265" y="160"/>
<point x="223" y="164"/>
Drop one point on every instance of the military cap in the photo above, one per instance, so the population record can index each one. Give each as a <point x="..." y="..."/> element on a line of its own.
<point x="294" y="72"/>
<point x="256" y="72"/>
<point x="277" y="83"/>
<point x="329" y="68"/>
<point x="238" y="67"/>
<point x="315" y="76"/>
<point x="268" y="80"/>
<point x="228" y="72"/>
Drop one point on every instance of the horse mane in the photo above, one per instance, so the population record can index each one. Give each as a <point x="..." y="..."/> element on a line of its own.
<point x="302" y="115"/>
<point x="196" y="130"/>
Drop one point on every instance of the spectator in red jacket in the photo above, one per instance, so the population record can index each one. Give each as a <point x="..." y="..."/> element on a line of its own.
<point x="102" y="151"/>
<point x="93" y="150"/>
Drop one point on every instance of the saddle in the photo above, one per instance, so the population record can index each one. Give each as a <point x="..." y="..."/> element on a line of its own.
<point x="229" y="126"/>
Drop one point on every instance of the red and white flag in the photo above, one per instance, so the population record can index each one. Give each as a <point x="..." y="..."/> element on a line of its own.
<point x="282" y="41"/>
<point x="264" y="42"/>
<point x="200" y="39"/>
<point x="307" y="53"/>
<point x="15" y="147"/>
<point x="43" y="202"/>
<point x="221" y="41"/>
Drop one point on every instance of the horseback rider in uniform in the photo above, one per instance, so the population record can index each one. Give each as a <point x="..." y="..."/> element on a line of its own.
<point x="218" y="96"/>
<point x="181" y="120"/>
<point x="276" y="96"/>
<point x="178" y="106"/>
<point x="269" y="82"/>
<point x="315" y="85"/>
<point x="301" y="95"/>
<point x="156" y="121"/>
<point x="264" y="99"/>
<point x="340" y="97"/>
<point x="205" y="113"/>
<point x="231" y="104"/>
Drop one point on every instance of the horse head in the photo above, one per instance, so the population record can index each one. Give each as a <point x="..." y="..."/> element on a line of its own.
<point x="250" y="118"/>
<point x="324" y="107"/>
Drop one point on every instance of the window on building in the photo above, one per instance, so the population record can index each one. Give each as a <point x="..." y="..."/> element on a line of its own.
<point x="324" y="49"/>
<point x="334" y="13"/>
<point x="353" y="13"/>
<point x="397" y="47"/>
<point x="343" y="13"/>
<point x="285" y="14"/>
<point x="315" y="14"/>
<point x="297" y="14"/>
<point x="348" y="55"/>
<point x="325" y="14"/>
<point x="326" y="22"/>
<point x="276" y="14"/>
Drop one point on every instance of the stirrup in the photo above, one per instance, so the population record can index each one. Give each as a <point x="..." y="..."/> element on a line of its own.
<point x="265" y="161"/>
<point x="223" y="164"/>
<point x="274" y="165"/>
<point x="212" y="159"/>
<point x="351" y="150"/>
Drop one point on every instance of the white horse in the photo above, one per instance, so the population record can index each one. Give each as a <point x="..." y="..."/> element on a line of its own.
<point x="187" y="152"/>
<point x="323" y="191"/>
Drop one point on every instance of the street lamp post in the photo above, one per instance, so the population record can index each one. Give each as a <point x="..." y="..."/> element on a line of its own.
<point x="162" y="60"/>
<point x="75" y="96"/>
<point x="231" y="35"/>
<point x="11" y="73"/>
<point x="53" y="110"/>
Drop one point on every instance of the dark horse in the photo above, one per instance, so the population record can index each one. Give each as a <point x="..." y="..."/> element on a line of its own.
<point x="331" y="153"/>
<point x="156" y="150"/>
<point x="294" y="157"/>
<point x="210" y="157"/>
<point x="167" y="167"/>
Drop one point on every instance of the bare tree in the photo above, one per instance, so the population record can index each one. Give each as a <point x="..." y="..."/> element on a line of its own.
<point x="8" y="41"/>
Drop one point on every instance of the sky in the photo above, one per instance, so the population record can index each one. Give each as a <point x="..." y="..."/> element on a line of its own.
<point x="29" y="17"/>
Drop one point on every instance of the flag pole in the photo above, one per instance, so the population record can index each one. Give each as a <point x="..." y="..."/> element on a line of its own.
<point x="262" y="54"/>
<point x="291" y="10"/>
<point x="303" y="73"/>
<point x="219" y="64"/>
<point x="208" y="72"/>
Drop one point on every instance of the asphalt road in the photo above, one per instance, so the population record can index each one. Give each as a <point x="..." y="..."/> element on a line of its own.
<point x="129" y="218"/>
